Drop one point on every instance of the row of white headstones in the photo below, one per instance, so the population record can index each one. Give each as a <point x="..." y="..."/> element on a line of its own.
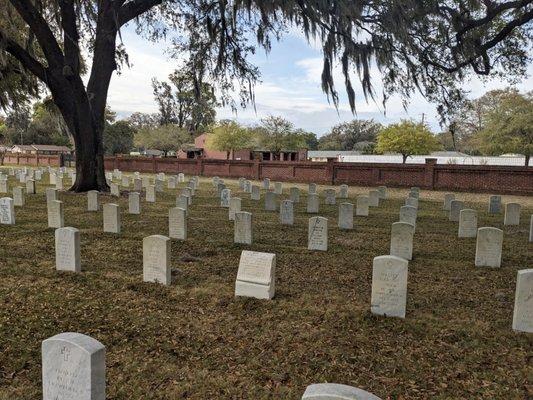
<point x="256" y="272"/>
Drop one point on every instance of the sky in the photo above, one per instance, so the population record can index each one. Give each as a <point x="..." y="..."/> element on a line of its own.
<point x="290" y="87"/>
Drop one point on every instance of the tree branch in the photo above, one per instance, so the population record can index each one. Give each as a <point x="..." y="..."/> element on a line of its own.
<point x="40" y="28"/>
<point x="135" y="8"/>
<point x="70" y="37"/>
<point x="27" y="61"/>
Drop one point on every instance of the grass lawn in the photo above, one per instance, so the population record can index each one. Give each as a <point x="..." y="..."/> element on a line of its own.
<point x="194" y="340"/>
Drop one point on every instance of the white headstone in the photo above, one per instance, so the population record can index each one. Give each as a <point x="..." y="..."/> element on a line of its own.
<point x="286" y="212"/>
<point x="73" y="367"/>
<point x="335" y="391"/>
<point x="408" y="214"/>
<point x="92" y="200"/>
<point x="278" y="188"/>
<point x="523" y="303"/>
<point x="225" y="197"/>
<point x="247" y="186"/>
<point x="18" y="196"/>
<point x="234" y="206"/>
<point x="30" y="186"/>
<point x="59" y="183"/>
<point x="137" y="184"/>
<point x="51" y="194"/>
<point x="531" y="229"/>
<point x="3" y="186"/>
<point x="361" y="207"/>
<point x="171" y="183"/>
<point x="330" y="196"/>
<point x="243" y="228"/>
<point x="489" y="247"/>
<point x="373" y="198"/>
<point x="255" y="193"/>
<point x="134" y="203"/>
<point x="158" y="185"/>
<point x="67" y="242"/>
<point x="115" y="190"/>
<point x="312" y="203"/>
<point x="7" y="211"/>
<point x="455" y="209"/>
<point x="294" y="194"/>
<point x="448" y="198"/>
<point x="182" y="201"/>
<point x="512" y="214"/>
<point x="345" y="216"/>
<point x="467" y="223"/>
<point x="150" y="194"/>
<point x="343" y="191"/>
<point x="411" y="201"/>
<point x="56" y="217"/>
<point x="112" y="221"/>
<point x="382" y="192"/>
<point x="317" y="238"/>
<point x="271" y="201"/>
<point x="401" y="240"/>
<point x="312" y="188"/>
<point x="156" y="259"/>
<point x="389" y="286"/>
<point x="256" y="275"/>
<point x="125" y="181"/>
<point x="266" y="183"/>
<point x="177" y="223"/>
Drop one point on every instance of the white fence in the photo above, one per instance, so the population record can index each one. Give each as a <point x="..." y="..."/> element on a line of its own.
<point x="462" y="160"/>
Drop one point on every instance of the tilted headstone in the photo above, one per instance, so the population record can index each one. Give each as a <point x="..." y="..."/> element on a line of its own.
<point x="255" y="193"/>
<point x="467" y="223"/>
<point x="30" y="186"/>
<point x="317" y="237"/>
<point x="278" y="188"/>
<point x="448" y="198"/>
<point x="111" y="213"/>
<point x="389" y="286"/>
<point x="312" y="188"/>
<point x="177" y="223"/>
<point x="115" y="190"/>
<point x="455" y="209"/>
<point x="335" y="391"/>
<point x="382" y="192"/>
<point x="73" y="367"/>
<point x="512" y="214"/>
<point x="523" y="303"/>
<point x="256" y="275"/>
<point x="18" y="196"/>
<point x="156" y="259"/>
<point x="134" y="203"/>
<point x="495" y="204"/>
<point x="56" y="217"/>
<point x="411" y="201"/>
<point x="182" y="201"/>
<point x="408" y="214"/>
<point x="7" y="211"/>
<point x="373" y="198"/>
<point x="343" y="191"/>
<point x="92" y="200"/>
<point x="361" y="206"/>
<point x="271" y="201"/>
<point x="330" y="196"/>
<point x="345" y="216"/>
<point x="294" y="194"/>
<point x="225" y="197"/>
<point x="401" y="240"/>
<point x="286" y="212"/>
<point x="489" y="247"/>
<point x="312" y="203"/>
<point x="266" y="183"/>
<point x="67" y="243"/>
<point x="243" y="228"/>
<point x="150" y="194"/>
<point x="234" y="206"/>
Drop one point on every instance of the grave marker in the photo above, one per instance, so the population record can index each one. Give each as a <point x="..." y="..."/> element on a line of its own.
<point x="73" y="367"/>
<point x="408" y="214"/>
<point x="266" y="183"/>
<point x="30" y="186"/>
<point x="343" y="191"/>
<point x="255" y="193"/>
<point x="389" y="286"/>
<point x="495" y="204"/>
<point x="411" y="201"/>
<point x="345" y="216"/>
<point x="489" y="247"/>
<point x="134" y="203"/>
<point x="234" y="206"/>
<point x="312" y="188"/>
<point x="330" y="196"/>
<point x="448" y="198"/>
<point x="115" y="191"/>
<point x="92" y="200"/>
<point x="278" y="188"/>
<point x="156" y="259"/>
<point x="256" y="275"/>
<point x="150" y="194"/>
<point x="243" y="228"/>
<point x="523" y="303"/>
<point x="382" y="192"/>
<point x="182" y="201"/>
<point x="373" y="198"/>
<point x="111" y="214"/>
<point x="295" y="195"/>
<point x="467" y="223"/>
<point x="55" y="214"/>
<point x="317" y="238"/>
<point x="401" y="241"/>
<point x="286" y="212"/>
<point x="7" y="211"/>
<point x="177" y="223"/>
<point x="512" y="214"/>
<point x="225" y="197"/>
<point x="312" y="203"/>
<point x="18" y="196"/>
<point x="361" y="207"/>
<point x="335" y="391"/>
<point x="455" y="209"/>
<point x="67" y="243"/>
<point x="271" y="200"/>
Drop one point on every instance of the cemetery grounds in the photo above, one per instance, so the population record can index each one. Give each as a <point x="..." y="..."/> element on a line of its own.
<point x="195" y="340"/>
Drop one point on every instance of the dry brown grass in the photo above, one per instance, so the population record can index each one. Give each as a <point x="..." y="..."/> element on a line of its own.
<point x="194" y="340"/>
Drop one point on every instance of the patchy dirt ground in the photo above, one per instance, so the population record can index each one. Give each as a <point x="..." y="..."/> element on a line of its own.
<point x="194" y="340"/>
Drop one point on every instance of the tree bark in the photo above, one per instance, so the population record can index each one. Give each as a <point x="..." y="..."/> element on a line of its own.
<point x="404" y="158"/>
<point x="528" y="156"/>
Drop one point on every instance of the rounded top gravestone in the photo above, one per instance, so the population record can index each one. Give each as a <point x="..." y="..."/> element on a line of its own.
<point x="335" y="391"/>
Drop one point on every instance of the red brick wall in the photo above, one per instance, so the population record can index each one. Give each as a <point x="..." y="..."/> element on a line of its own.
<point x="478" y="178"/>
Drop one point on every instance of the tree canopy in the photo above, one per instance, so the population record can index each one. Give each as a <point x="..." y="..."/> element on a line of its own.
<point x="118" y="138"/>
<point x="165" y="138"/>
<point x="229" y="136"/>
<point x="353" y="135"/>
<point x="407" y="138"/>
<point x="427" y="46"/>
